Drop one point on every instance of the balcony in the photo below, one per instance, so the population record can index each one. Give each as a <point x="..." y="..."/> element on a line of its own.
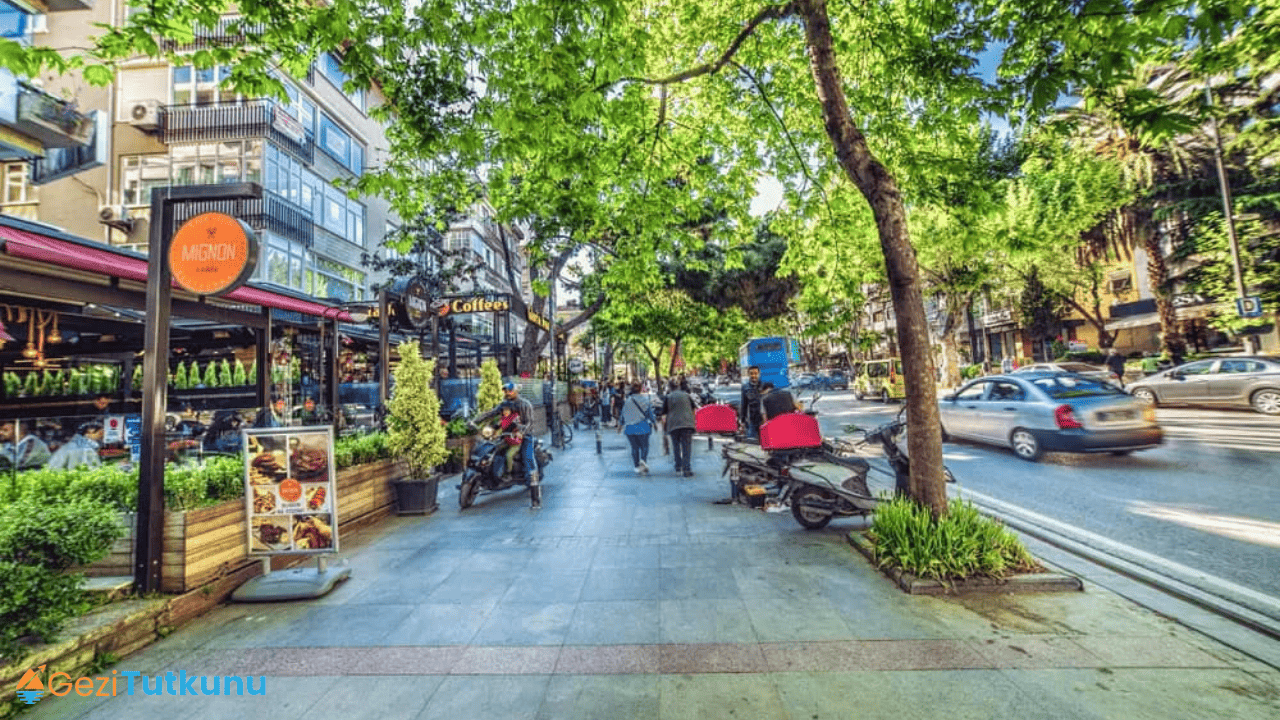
<point x="270" y="212"/>
<point x="53" y="122"/>
<point x="229" y="32"/>
<point x="232" y="121"/>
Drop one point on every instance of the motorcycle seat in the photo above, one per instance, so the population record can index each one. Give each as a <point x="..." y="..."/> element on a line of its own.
<point x="791" y="431"/>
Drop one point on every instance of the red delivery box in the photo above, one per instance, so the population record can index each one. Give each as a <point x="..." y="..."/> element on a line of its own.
<point x="789" y="431"/>
<point x="716" y="419"/>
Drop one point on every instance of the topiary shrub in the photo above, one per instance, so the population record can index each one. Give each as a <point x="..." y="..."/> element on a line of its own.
<point x="489" y="395"/>
<point x="414" y="432"/>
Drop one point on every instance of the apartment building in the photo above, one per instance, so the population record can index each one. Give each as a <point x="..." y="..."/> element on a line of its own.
<point x="176" y="125"/>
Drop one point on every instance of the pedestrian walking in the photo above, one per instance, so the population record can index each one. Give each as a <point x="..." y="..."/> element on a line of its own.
<point x="678" y="421"/>
<point x="1115" y="363"/>
<point x="637" y="421"/>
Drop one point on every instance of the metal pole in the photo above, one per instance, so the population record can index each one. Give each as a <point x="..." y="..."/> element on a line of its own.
<point x="1225" y="187"/>
<point x="384" y="351"/>
<point x="149" y="535"/>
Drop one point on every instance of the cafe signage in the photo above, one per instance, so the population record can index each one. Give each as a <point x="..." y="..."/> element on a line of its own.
<point x="213" y="253"/>
<point x="537" y="319"/>
<point x="417" y="304"/>
<point x="475" y="304"/>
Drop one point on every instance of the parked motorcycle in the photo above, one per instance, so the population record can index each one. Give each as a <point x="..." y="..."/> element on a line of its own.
<point x="479" y="474"/>
<point x="807" y="473"/>
<point x="821" y="481"/>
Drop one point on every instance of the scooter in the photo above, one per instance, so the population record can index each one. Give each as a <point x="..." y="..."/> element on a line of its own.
<point x="794" y="467"/>
<point x="479" y="476"/>
<point x="892" y="438"/>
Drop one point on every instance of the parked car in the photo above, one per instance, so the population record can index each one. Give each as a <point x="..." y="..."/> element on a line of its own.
<point x="1224" y="382"/>
<point x="1034" y="412"/>
<point x="803" y="381"/>
<point x="831" y="380"/>
<point x="722" y="380"/>
<point x="1079" y="368"/>
<point x="880" y="379"/>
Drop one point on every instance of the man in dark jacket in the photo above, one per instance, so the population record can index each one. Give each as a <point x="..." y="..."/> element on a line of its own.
<point x="512" y="394"/>
<point x="677" y="417"/>
<point x="1115" y="363"/>
<point x="749" y="410"/>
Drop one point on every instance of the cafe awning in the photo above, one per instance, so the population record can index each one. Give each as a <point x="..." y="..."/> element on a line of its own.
<point x="94" y="257"/>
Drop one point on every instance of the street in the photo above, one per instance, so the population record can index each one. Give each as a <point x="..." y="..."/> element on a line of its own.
<point x="1209" y="498"/>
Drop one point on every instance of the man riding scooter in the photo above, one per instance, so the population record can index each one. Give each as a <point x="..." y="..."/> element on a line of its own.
<point x="525" y="411"/>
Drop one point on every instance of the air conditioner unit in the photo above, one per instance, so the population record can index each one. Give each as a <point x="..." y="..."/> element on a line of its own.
<point x="116" y="216"/>
<point x="145" y="114"/>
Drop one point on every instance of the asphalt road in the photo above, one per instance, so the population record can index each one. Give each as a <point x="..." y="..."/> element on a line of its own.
<point x="1208" y="499"/>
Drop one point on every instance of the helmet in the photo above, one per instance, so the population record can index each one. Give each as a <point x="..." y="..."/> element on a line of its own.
<point x="509" y="386"/>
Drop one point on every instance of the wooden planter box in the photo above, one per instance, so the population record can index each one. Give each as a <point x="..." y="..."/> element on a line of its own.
<point x="207" y="543"/>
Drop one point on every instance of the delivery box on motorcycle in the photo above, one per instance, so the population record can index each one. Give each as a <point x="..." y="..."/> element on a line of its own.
<point x="716" y="419"/>
<point x="791" y="431"/>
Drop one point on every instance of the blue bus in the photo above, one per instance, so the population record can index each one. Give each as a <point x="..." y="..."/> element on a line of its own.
<point x="773" y="355"/>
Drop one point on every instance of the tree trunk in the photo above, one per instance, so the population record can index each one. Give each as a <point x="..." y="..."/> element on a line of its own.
<point x="1170" y="334"/>
<point x="950" y="345"/>
<point x="881" y="191"/>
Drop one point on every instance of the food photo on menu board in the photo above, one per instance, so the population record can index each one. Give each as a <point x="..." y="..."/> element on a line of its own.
<point x="289" y="492"/>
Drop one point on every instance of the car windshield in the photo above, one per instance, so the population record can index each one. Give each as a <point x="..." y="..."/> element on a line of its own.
<point x="1062" y="387"/>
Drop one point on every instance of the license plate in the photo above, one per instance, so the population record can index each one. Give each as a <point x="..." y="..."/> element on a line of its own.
<point x="1117" y="415"/>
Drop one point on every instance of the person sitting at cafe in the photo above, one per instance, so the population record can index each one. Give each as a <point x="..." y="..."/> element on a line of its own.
<point x="79" y="450"/>
<point x="28" y="452"/>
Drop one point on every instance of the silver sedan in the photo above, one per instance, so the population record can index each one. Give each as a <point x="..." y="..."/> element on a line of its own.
<point x="1035" y="412"/>
<point x="1079" y="368"/>
<point x="1228" y="381"/>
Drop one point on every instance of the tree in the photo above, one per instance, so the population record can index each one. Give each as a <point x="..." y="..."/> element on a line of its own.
<point x="616" y="118"/>
<point x="489" y="394"/>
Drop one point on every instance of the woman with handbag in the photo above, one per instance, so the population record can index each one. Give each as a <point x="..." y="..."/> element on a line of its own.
<point x="637" y="423"/>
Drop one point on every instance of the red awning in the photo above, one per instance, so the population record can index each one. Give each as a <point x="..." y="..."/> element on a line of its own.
<point x="106" y="261"/>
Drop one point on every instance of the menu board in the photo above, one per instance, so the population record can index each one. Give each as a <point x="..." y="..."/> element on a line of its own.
<point x="289" y="490"/>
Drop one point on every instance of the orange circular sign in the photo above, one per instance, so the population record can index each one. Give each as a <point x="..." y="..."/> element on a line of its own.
<point x="212" y="253"/>
<point x="290" y="490"/>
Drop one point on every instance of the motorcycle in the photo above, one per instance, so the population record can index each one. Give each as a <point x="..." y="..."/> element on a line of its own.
<point x="823" y="480"/>
<point x="479" y="476"/>
<point x="892" y="438"/>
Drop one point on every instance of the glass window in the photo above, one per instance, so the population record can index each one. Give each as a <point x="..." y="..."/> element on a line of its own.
<point x="16" y="187"/>
<point x="335" y="141"/>
<point x="1004" y="391"/>
<point x="1196" y="368"/>
<point x="973" y="392"/>
<point x="139" y="174"/>
<point x="1061" y="387"/>
<point x="15" y="23"/>
<point x="335" y="211"/>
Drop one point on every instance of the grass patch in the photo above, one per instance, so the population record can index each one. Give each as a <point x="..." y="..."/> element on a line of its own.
<point x="963" y="544"/>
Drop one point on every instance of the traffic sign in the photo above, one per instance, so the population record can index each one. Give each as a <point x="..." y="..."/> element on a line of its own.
<point x="575" y="365"/>
<point x="1249" y="307"/>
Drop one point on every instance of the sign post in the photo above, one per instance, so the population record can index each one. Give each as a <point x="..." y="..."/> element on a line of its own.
<point x="1249" y="307"/>
<point x="155" y="371"/>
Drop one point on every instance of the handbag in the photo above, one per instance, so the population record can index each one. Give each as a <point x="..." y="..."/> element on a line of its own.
<point x="645" y="426"/>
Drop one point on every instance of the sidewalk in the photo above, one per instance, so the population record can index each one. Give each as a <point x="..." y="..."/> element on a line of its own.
<point x="632" y="596"/>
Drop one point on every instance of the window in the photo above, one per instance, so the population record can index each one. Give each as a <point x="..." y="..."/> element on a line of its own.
<point x="283" y="262"/>
<point x="331" y="68"/>
<point x="1121" y="282"/>
<point x="339" y="145"/>
<point x="15" y="23"/>
<point x="1004" y="391"/>
<point x="139" y="174"/>
<point x="973" y="392"/>
<point x="201" y="87"/>
<point x="17" y="189"/>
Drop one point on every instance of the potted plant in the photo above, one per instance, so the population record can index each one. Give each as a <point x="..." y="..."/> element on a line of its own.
<point x="414" y="432"/>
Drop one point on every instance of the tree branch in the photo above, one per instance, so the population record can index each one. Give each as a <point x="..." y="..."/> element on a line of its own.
<point x="772" y="12"/>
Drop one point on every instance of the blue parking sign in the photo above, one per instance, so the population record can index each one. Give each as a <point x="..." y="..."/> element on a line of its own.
<point x="1249" y="307"/>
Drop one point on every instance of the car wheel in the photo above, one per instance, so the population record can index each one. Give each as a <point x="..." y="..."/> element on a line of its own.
<point x="857" y="393"/>
<point x="1025" y="444"/>
<point x="1144" y="395"/>
<point x="1266" y="401"/>
<point x="884" y="396"/>
<point x="946" y="437"/>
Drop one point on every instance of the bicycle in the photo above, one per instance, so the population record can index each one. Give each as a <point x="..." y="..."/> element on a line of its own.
<point x="561" y="432"/>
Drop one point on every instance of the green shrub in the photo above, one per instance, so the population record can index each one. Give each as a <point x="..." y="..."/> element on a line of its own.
<point x="969" y="372"/>
<point x="962" y="544"/>
<point x="191" y="485"/>
<point x="359" y="449"/>
<point x="107" y="484"/>
<point x="39" y="540"/>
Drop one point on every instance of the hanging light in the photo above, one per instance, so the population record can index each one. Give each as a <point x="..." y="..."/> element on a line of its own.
<point x="30" y="352"/>
<point x="54" y="336"/>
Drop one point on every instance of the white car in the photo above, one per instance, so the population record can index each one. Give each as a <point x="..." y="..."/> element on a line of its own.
<point x="1079" y="368"/>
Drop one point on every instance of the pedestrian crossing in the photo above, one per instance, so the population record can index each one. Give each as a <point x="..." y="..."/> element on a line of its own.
<point x="1226" y="429"/>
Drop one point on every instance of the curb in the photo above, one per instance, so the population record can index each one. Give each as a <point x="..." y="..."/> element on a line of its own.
<point x="1020" y="583"/>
